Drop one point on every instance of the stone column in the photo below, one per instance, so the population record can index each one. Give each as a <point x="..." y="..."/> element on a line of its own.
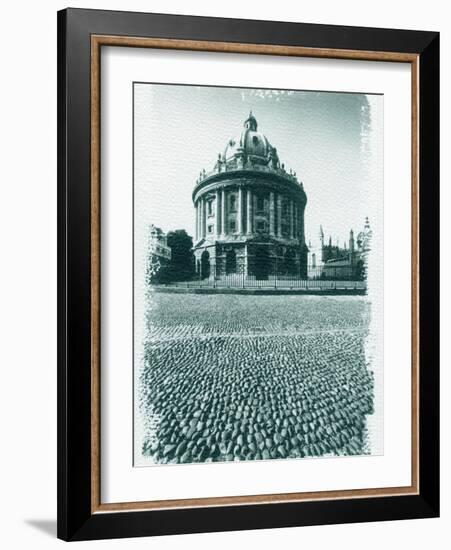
<point x="197" y="222"/>
<point x="301" y="225"/>
<point x="204" y="218"/>
<point x="295" y="221"/>
<point x="223" y="213"/>
<point x="240" y="210"/>
<point x="279" y="214"/>
<point x="291" y="219"/>
<point x="217" y="226"/>
<point x="249" y="212"/>
<point x="298" y="220"/>
<point x="271" y="214"/>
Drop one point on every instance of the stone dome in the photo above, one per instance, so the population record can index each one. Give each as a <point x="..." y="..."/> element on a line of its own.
<point x="250" y="144"/>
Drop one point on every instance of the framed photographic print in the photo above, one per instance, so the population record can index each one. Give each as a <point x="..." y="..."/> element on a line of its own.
<point x="248" y="274"/>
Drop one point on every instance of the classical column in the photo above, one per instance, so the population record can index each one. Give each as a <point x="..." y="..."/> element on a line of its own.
<point x="279" y="214"/>
<point x="195" y="225"/>
<point x="204" y="217"/>
<point x="249" y="212"/>
<point x="240" y="210"/>
<point x="291" y="220"/>
<point x="217" y="226"/>
<point x="295" y="221"/>
<point x="298" y="221"/>
<point x="271" y="214"/>
<point x="301" y="225"/>
<point x="197" y="220"/>
<point x="223" y="213"/>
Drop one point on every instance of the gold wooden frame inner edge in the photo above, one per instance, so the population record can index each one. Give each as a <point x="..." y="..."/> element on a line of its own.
<point x="162" y="43"/>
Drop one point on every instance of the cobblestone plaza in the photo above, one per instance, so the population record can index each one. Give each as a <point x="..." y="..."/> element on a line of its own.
<point x="229" y="377"/>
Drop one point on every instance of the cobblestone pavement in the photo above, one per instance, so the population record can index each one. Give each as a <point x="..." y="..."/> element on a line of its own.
<point x="229" y="377"/>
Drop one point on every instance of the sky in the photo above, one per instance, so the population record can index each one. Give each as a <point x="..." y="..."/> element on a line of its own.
<point x="329" y="139"/>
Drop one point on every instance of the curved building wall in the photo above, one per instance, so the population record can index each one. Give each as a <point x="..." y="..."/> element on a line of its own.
<point x="251" y="223"/>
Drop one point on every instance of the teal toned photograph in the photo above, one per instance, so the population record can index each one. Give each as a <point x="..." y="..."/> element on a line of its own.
<point x="258" y="274"/>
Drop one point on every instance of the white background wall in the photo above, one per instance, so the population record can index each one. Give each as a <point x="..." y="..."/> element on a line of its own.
<point x="28" y="272"/>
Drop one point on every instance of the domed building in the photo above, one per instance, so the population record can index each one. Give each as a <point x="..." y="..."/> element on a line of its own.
<point x="249" y="212"/>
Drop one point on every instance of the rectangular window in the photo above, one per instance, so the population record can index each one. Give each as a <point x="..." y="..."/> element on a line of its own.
<point x="210" y="208"/>
<point x="232" y="226"/>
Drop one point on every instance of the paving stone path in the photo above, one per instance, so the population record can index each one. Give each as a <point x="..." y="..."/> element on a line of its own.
<point x="230" y="377"/>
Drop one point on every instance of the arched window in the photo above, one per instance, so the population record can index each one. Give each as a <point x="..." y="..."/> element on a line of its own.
<point x="230" y="262"/>
<point x="285" y="208"/>
<point x="261" y="263"/>
<point x="205" y="264"/>
<point x="289" y="262"/>
<point x="313" y="260"/>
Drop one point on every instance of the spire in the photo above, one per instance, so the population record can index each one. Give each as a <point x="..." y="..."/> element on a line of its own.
<point x="367" y="224"/>
<point x="351" y="241"/>
<point x="321" y="236"/>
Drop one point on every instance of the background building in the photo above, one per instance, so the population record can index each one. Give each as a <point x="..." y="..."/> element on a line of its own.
<point x="158" y="256"/>
<point x="331" y="261"/>
<point x="158" y="244"/>
<point x="249" y="212"/>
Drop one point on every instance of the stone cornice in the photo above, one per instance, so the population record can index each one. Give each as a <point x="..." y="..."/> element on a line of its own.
<point x="273" y="181"/>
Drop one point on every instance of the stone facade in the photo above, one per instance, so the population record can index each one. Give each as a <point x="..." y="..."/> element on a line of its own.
<point x="249" y="212"/>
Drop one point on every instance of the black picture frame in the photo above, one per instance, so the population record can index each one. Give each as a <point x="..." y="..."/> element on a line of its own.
<point x="76" y="521"/>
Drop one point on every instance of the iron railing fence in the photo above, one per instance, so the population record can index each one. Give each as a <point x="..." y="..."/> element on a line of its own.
<point x="339" y="277"/>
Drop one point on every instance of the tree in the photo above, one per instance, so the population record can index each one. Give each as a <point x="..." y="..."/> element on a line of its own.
<point x="153" y="268"/>
<point x="181" y="266"/>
